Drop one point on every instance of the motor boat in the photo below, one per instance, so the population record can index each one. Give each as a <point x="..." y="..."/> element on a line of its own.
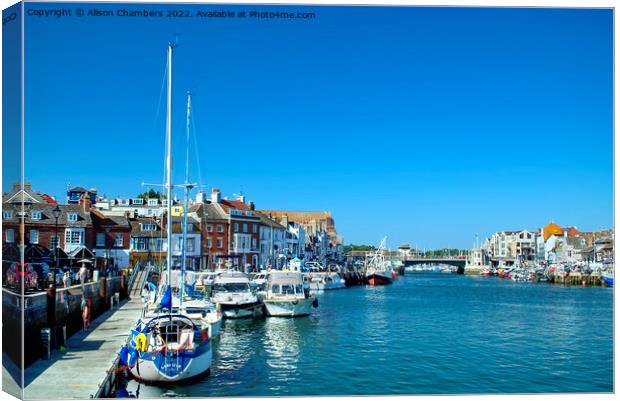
<point x="232" y="292"/>
<point x="324" y="281"/>
<point x="286" y="296"/>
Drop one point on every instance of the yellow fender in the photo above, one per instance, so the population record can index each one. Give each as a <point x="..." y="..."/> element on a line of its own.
<point x="141" y="344"/>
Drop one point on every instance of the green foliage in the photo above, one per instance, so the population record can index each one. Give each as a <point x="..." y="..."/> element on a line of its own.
<point x="352" y="247"/>
<point x="151" y="194"/>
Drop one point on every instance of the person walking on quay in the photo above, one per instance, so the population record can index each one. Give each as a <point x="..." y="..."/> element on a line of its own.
<point x="66" y="280"/>
<point x="86" y="306"/>
<point x="83" y="273"/>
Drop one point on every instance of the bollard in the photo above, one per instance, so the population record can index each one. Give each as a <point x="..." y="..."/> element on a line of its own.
<point x="102" y="291"/>
<point x="117" y="298"/>
<point x="46" y="337"/>
<point x="111" y="303"/>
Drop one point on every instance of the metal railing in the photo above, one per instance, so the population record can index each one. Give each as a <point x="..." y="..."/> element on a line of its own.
<point x="132" y="276"/>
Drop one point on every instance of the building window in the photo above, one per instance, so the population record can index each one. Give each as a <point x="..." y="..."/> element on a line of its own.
<point x="149" y="212"/>
<point x="209" y="228"/>
<point x="253" y="243"/>
<point x="236" y="227"/>
<point x="36" y="215"/>
<point x="7" y="214"/>
<point x="137" y="201"/>
<point x="124" y="202"/>
<point x="148" y="226"/>
<point x="10" y="235"/>
<point x="101" y="239"/>
<point x="218" y="242"/>
<point x="118" y="239"/>
<point x="152" y="202"/>
<point x="209" y="243"/>
<point x="54" y="242"/>
<point x="220" y="228"/>
<point x="34" y="236"/>
<point x="72" y="217"/>
<point x="254" y="228"/>
<point x="191" y="242"/>
<point x="245" y="227"/>
<point x="190" y="228"/>
<point x="73" y="237"/>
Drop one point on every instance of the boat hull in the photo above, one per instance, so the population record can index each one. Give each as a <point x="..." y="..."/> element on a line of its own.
<point x="241" y="311"/>
<point x="379" y="279"/>
<point x="609" y="281"/>
<point x="169" y="367"/>
<point x="281" y="308"/>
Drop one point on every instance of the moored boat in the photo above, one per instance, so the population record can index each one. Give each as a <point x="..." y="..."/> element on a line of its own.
<point x="608" y="278"/>
<point x="286" y="296"/>
<point x="232" y="292"/>
<point x="378" y="270"/>
<point x="324" y="281"/>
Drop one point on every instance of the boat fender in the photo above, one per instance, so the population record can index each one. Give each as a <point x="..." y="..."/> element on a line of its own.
<point x="123" y="356"/>
<point x="141" y="344"/>
<point x="315" y="303"/>
<point x="132" y="358"/>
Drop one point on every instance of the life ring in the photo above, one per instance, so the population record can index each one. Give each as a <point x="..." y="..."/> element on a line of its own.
<point x="141" y="344"/>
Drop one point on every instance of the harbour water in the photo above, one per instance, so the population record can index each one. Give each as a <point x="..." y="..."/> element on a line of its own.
<point x="431" y="333"/>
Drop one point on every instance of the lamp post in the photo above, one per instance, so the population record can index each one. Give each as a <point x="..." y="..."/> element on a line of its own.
<point x="56" y="213"/>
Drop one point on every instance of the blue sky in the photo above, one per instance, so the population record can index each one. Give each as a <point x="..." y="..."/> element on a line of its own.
<point x="428" y="125"/>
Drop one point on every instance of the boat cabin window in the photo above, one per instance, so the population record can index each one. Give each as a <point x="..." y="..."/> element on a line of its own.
<point x="232" y="287"/>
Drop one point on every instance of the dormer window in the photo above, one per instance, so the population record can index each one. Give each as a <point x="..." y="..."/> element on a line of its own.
<point x="148" y="226"/>
<point x="152" y="202"/>
<point x="124" y="202"/>
<point x="138" y="201"/>
<point x="7" y="214"/>
<point x="72" y="217"/>
<point x="164" y="202"/>
<point x="36" y="215"/>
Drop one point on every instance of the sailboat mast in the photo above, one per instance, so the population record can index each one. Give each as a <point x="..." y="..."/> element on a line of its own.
<point x="169" y="167"/>
<point x="185" y="205"/>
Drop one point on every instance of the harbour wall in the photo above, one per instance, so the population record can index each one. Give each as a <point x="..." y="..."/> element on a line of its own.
<point x="56" y="307"/>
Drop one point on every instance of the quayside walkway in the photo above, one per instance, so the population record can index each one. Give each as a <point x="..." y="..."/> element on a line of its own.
<point x="81" y="371"/>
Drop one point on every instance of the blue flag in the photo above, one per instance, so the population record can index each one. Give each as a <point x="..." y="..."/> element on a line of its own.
<point x="166" y="299"/>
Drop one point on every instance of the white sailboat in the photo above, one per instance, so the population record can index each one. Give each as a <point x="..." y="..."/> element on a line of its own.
<point x="168" y="345"/>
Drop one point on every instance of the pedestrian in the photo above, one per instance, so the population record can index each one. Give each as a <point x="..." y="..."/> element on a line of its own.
<point x="66" y="280"/>
<point x="86" y="312"/>
<point x="83" y="274"/>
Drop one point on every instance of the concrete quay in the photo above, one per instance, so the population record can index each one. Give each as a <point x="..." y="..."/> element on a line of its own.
<point x="85" y="369"/>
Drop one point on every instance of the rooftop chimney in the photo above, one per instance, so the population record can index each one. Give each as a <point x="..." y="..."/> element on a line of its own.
<point x="201" y="197"/>
<point x="252" y="207"/>
<point x="84" y="201"/>
<point x="241" y="198"/>
<point x="216" y="196"/>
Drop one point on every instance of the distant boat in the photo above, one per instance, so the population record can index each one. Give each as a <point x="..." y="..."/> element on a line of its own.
<point x="324" y="281"/>
<point x="378" y="270"/>
<point x="608" y="278"/>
